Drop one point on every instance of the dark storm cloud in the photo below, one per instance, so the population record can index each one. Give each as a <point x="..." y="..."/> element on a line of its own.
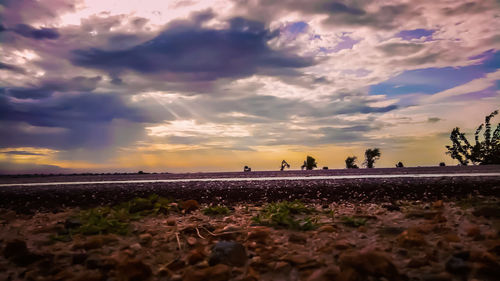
<point x="191" y="53"/>
<point x="11" y="67"/>
<point x="339" y="13"/>
<point x="20" y="152"/>
<point x="34" y="33"/>
<point x="48" y="87"/>
<point x="65" y="121"/>
<point x="26" y="11"/>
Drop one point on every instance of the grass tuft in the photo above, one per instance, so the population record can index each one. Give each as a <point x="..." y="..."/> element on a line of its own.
<point x="353" y="221"/>
<point x="216" y="210"/>
<point x="286" y="214"/>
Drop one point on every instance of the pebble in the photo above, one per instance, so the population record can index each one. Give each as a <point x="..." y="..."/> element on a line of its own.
<point x="145" y="238"/>
<point x="228" y="252"/>
<point x="326" y="228"/>
<point x="171" y="222"/>
<point x="411" y="238"/>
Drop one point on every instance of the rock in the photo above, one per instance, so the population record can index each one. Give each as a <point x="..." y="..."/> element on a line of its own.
<point x="136" y="247"/>
<point x="228" y="252"/>
<point x="326" y="228"/>
<point x="487" y="211"/>
<point x="189" y="206"/>
<point x="191" y="241"/>
<point x="369" y="263"/>
<point x="437" y="204"/>
<point x="451" y="237"/>
<point x="132" y="269"/>
<point x="95" y="242"/>
<point x="473" y="231"/>
<point x="72" y="223"/>
<point x="297" y="238"/>
<point x="391" y="207"/>
<point x="423" y="214"/>
<point x="342" y="244"/>
<point x="196" y="255"/>
<point x="411" y="238"/>
<point x="79" y="258"/>
<point x="176" y="264"/>
<point x="14" y="247"/>
<point x="259" y="234"/>
<point x="390" y="230"/>
<point x="171" y="222"/>
<point x="296" y="259"/>
<point x="417" y="262"/>
<point x="457" y="266"/>
<point x="17" y="252"/>
<point x="325" y="274"/>
<point x="443" y="276"/>
<point x="220" y="272"/>
<point x="89" y="275"/>
<point x="145" y="238"/>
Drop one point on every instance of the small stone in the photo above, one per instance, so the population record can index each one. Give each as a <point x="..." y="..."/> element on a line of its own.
<point x="17" y="251"/>
<point x="411" y="238"/>
<point x="191" y="241"/>
<point x="195" y="256"/>
<point x="176" y="264"/>
<point x="437" y="204"/>
<point x="473" y="231"/>
<point x="189" y="206"/>
<point x="220" y="272"/>
<point x="136" y="247"/>
<point x="457" y="266"/>
<point x="326" y="228"/>
<point x="342" y="244"/>
<point x="297" y="238"/>
<point x="487" y="211"/>
<point x="369" y="263"/>
<point x="228" y="252"/>
<point x="145" y="238"/>
<point x="391" y="207"/>
<point x="259" y="234"/>
<point x="418" y="262"/>
<point x="451" y="237"/>
<point x="133" y="269"/>
<point x="325" y="274"/>
<point x="171" y="222"/>
<point x="443" y="276"/>
<point x="72" y="223"/>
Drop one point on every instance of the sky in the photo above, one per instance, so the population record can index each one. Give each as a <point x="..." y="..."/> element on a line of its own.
<point x="189" y="86"/>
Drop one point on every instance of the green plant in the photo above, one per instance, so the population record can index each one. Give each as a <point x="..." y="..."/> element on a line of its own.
<point x="353" y="221"/>
<point x="286" y="214"/>
<point x="371" y="155"/>
<point x="216" y="210"/>
<point x="483" y="152"/>
<point x="116" y="219"/>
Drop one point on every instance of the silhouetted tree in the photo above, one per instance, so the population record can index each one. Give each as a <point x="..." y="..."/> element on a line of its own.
<point x="310" y="163"/>
<point x="350" y="162"/>
<point x="284" y="165"/>
<point x="371" y="155"/>
<point x="483" y="152"/>
<point x="400" y="165"/>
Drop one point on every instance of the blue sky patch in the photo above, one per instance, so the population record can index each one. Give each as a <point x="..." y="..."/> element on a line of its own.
<point x="434" y="80"/>
<point x="415" y="33"/>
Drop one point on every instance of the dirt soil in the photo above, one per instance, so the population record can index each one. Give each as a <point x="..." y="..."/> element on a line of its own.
<point x="398" y="240"/>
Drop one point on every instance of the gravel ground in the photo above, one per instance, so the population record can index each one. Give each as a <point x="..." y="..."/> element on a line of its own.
<point x="49" y="198"/>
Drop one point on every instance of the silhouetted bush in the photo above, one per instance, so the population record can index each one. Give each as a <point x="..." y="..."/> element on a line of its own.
<point x="371" y="155"/>
<point x="483" y="152"/>
<point x="310" y="163"/>
<point x="400" y="165"/>
<point x="350" y="162"/>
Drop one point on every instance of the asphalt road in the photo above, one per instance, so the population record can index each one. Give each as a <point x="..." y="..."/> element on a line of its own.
<point x="321" y="186"/>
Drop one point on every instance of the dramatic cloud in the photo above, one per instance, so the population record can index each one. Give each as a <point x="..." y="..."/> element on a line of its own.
<point x="195" y="53"/>
<point x="218" y="84"/>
